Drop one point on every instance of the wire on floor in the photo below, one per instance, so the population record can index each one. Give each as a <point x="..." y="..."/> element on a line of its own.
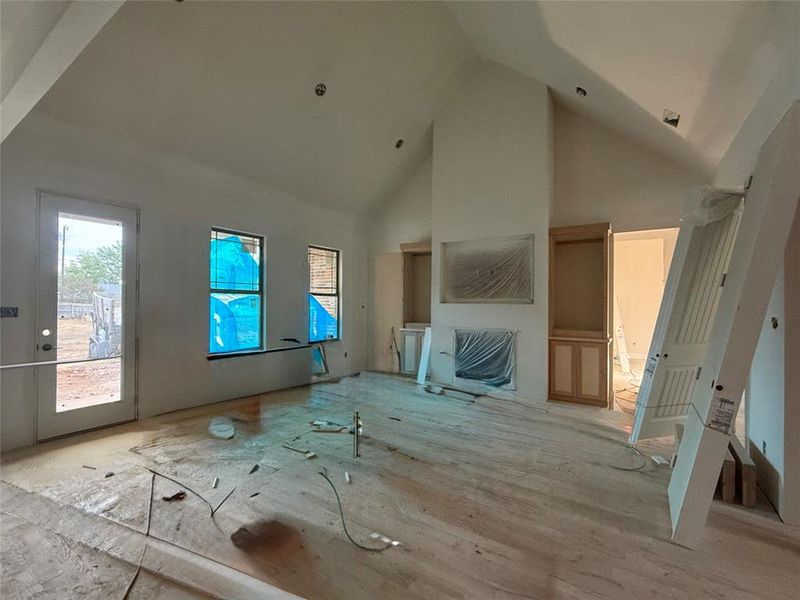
<point x="146" y="536"/>
<point x="344" y="525"/>
<point x="636" y="468"/>
<point x="213" y="510"/>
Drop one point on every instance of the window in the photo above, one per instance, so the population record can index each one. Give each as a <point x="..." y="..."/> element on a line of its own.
<point x="236" y="296"/>
<point x="323" y="294"/>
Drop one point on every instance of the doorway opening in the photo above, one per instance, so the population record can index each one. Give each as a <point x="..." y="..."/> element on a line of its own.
<point x="641" y="264"/>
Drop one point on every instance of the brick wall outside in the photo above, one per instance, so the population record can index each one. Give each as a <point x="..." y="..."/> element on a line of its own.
<point x="322" y="271"/>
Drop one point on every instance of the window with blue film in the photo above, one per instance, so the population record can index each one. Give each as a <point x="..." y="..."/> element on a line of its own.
<point x="236" y="296"/>
<point x="323" y="294"/>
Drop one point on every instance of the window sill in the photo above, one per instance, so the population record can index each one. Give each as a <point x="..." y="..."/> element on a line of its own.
<point x="253" y="352"/>
<point x="312" y="342"/>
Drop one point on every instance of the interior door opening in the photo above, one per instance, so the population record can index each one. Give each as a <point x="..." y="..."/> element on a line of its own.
<point x="641" y="264"/>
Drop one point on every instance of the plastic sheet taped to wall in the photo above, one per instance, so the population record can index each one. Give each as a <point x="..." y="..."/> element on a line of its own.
<point x="707" y="205"/>
<point x="498" y="270"/>
<point x="485" y="355"/>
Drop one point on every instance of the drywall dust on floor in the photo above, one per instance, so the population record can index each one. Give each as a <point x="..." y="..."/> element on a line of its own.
<point x="491" y="498"/>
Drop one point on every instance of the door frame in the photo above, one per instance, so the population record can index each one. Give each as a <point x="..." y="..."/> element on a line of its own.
<point x="129" y="377"/>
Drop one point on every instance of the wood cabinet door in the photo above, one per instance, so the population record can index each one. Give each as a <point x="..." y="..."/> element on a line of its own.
<point x="590" y="371"/>
<point x="562" y="370"/>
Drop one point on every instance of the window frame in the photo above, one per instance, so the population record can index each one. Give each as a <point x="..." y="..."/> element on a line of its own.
<point x="262" y="294"/>
<point x="337" y="295"/>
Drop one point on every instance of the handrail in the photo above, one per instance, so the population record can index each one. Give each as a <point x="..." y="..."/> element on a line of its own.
<point x="56" y="362"/>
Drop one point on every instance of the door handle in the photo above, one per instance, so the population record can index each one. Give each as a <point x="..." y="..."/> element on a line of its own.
<point x="48" y="347"/>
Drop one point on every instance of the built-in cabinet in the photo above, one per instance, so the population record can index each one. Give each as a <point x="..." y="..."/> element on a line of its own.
<point x="411" y="350"/>
<point x="580" y="314"/>
<point x="402" y="307"/>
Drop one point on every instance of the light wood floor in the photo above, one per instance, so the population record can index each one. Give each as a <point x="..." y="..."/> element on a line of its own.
<point x="490" y="499"/>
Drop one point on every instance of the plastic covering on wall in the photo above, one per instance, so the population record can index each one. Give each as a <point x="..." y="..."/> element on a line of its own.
<point x="708" y="204"/>
<point x="486" y="355"/>
<point x="498" y="270"/>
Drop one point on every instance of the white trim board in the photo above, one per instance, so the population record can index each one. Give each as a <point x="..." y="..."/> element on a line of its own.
<point x="766" y="221"/>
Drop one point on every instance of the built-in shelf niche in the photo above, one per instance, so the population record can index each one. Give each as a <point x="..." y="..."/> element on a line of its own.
<point x="416" y="284"/>
<point x="580" y="314"/>
<point x="579" y="282"/>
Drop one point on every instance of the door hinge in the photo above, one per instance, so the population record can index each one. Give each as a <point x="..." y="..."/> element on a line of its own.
<point x="699" y="369"/>
<point x="724" y="277"/>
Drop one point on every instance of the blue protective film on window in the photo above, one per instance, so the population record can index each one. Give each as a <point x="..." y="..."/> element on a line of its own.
<point x="323" y="323"/>
<point x="234" y="322"/>
<point x="234" y="262"/>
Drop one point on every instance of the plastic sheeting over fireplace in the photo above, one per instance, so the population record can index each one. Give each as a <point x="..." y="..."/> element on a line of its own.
<point x="486" y="355"/>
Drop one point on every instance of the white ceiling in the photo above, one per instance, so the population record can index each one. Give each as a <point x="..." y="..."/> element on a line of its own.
<point x="231" y="85"/>
<point x="709" y="61"/>
<point x="23" y="28"/>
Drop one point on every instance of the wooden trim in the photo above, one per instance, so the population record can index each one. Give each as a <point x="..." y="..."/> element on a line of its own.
<point x="551" y="284"/>
<point x="577" y="400"/>
<point x="580" y="334"/>
<point x="585" y="340"/>
<point x="424" y="247"/>
<point x="575" y="233"/>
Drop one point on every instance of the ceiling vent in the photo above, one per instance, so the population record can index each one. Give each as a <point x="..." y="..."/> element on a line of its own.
<point x="671" y="117"/>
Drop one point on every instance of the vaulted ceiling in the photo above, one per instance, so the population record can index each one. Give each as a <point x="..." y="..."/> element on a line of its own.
<point x="708" y="61"/>
<point x="231" y="84"/>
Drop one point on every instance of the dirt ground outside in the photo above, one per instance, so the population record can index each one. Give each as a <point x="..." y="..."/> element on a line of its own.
<point x="83" y="384"/>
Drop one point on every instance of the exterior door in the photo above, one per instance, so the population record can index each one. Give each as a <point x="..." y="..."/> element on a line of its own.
<point x="683" y="327"/>
<point x="86" y="315"/>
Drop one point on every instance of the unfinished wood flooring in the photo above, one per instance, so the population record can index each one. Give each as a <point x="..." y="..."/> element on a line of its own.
<point x="490" y="499"/>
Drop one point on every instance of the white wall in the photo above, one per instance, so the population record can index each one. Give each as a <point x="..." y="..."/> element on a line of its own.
<point x="773" y="400"/>
<point x="179" y="202"/>
<point x="406" y="217"/>
<point x="601" y="175"/>
<point x="492" y="177"/>
<point x="766" y="395"/>
<point x="773" y="405"/>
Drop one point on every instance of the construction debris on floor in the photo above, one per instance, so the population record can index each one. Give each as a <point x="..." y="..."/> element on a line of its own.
<point x="492" y="498"/>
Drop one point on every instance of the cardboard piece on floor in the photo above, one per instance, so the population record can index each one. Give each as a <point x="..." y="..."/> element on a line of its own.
<point x="745" y="473"/>
<point x="727" y="479"/>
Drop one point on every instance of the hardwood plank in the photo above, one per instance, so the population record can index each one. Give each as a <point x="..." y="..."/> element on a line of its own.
<point x="489" y="497"/>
